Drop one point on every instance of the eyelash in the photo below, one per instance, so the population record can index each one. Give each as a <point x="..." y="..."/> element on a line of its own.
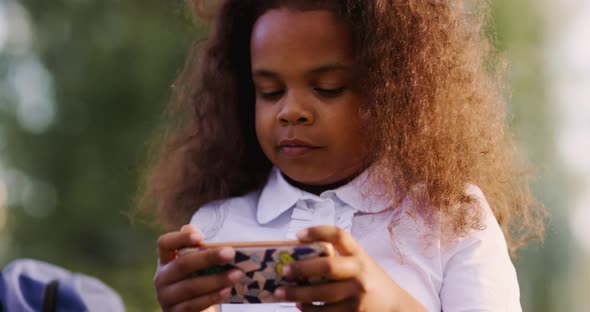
<point x="328" y="93"/>
<point x="271" y="95"/>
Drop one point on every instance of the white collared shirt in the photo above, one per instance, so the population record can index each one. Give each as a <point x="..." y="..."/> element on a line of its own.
<point x="473" y="274"/>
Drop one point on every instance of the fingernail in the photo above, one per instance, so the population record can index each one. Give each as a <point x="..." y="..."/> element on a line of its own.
<point x="302" y="234"/>
<point x="280" y="293"/>
<point x="227" y="253"/>
<point x="286" y="270"/>
<point x="225" y="292"/>
<point x="235" y="276"/>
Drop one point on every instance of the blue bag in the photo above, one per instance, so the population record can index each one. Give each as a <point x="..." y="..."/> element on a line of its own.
<point x="28" y="285"/>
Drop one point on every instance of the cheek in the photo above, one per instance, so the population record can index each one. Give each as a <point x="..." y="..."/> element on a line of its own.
<point x="258" y="124"/>
<point x="353" y="134"/>
<point x="263" y="126"/>
<point x="349" y="120"/>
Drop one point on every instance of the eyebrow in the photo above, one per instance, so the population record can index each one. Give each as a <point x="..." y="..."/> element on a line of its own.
<point x="318" y="70"/>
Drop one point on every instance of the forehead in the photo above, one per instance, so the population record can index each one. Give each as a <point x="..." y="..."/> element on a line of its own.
<point x="300" y="39"/>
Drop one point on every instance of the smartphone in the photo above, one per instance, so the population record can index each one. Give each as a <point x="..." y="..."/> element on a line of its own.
<point x="262" y="263"/>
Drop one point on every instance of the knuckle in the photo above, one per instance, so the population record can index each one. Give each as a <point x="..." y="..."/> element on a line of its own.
<point x="187" y="287"/>
<point x="213" y="257"/>
<point x="328" y="268"/>
<point x="182" y="264"/>
<point x="358" y="266"/>
<point x="361" y="285"/>
<point x="338" y="235"/>
<point x="200" y="286"/>
<point x="352" y="244"/>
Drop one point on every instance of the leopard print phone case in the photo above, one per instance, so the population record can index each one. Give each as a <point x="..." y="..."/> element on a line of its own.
<point x="262" y="266"/>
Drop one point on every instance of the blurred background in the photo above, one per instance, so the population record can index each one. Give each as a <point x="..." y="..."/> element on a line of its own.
<point x="83" y="82"/>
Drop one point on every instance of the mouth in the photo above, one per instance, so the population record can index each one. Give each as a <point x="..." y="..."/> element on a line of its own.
<point x="296" y="147"/>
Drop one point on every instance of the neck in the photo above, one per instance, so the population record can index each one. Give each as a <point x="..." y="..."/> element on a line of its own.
<point x="318" y="189"/>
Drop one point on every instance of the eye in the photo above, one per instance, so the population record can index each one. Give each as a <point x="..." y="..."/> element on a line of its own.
<point x="272" y="95"/>
<point x="329" y="93"/>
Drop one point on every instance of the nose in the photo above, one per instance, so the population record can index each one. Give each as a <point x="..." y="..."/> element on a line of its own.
<point x="294" y="111"/>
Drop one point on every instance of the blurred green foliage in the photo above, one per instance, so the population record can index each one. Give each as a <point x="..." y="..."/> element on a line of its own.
<point x="112" y="63"/>
<point x="543" y="268"/>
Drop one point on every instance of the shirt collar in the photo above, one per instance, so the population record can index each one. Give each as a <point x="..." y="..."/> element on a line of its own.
<point x="279" y="196"/>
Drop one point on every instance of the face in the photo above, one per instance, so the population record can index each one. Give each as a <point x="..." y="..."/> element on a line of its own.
<point x="307" y="119"/>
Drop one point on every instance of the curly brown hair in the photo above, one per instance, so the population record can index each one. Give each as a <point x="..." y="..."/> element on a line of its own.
<point x="434" y="112"/>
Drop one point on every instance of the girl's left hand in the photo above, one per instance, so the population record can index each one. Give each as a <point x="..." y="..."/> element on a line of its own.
<point x="358" y="282"/>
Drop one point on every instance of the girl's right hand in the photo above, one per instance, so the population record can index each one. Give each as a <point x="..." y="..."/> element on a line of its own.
<point x="176" y="292"/>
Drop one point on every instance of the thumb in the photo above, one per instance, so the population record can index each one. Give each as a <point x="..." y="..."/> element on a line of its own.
<point x="169" y="243"/>
<point x="343" y="242"/>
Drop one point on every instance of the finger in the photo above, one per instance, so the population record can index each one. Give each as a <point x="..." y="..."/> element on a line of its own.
<point x="345" y="305"/>
<point x="198" y="286"/>
<point x="203" y="302"/>
<point x="190" y="228"/>
<point x="170" y="242"/>
<point x="334" y="268"/>
<point x="327" y="292"/>
<point x="192" y="262"/>
<point x="342" y="240"/>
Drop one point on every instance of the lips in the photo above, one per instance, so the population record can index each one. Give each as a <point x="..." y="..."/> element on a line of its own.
<point x="296" y="147"/>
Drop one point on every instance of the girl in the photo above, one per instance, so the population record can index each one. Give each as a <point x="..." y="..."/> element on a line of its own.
<point x="370" y="124"/>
